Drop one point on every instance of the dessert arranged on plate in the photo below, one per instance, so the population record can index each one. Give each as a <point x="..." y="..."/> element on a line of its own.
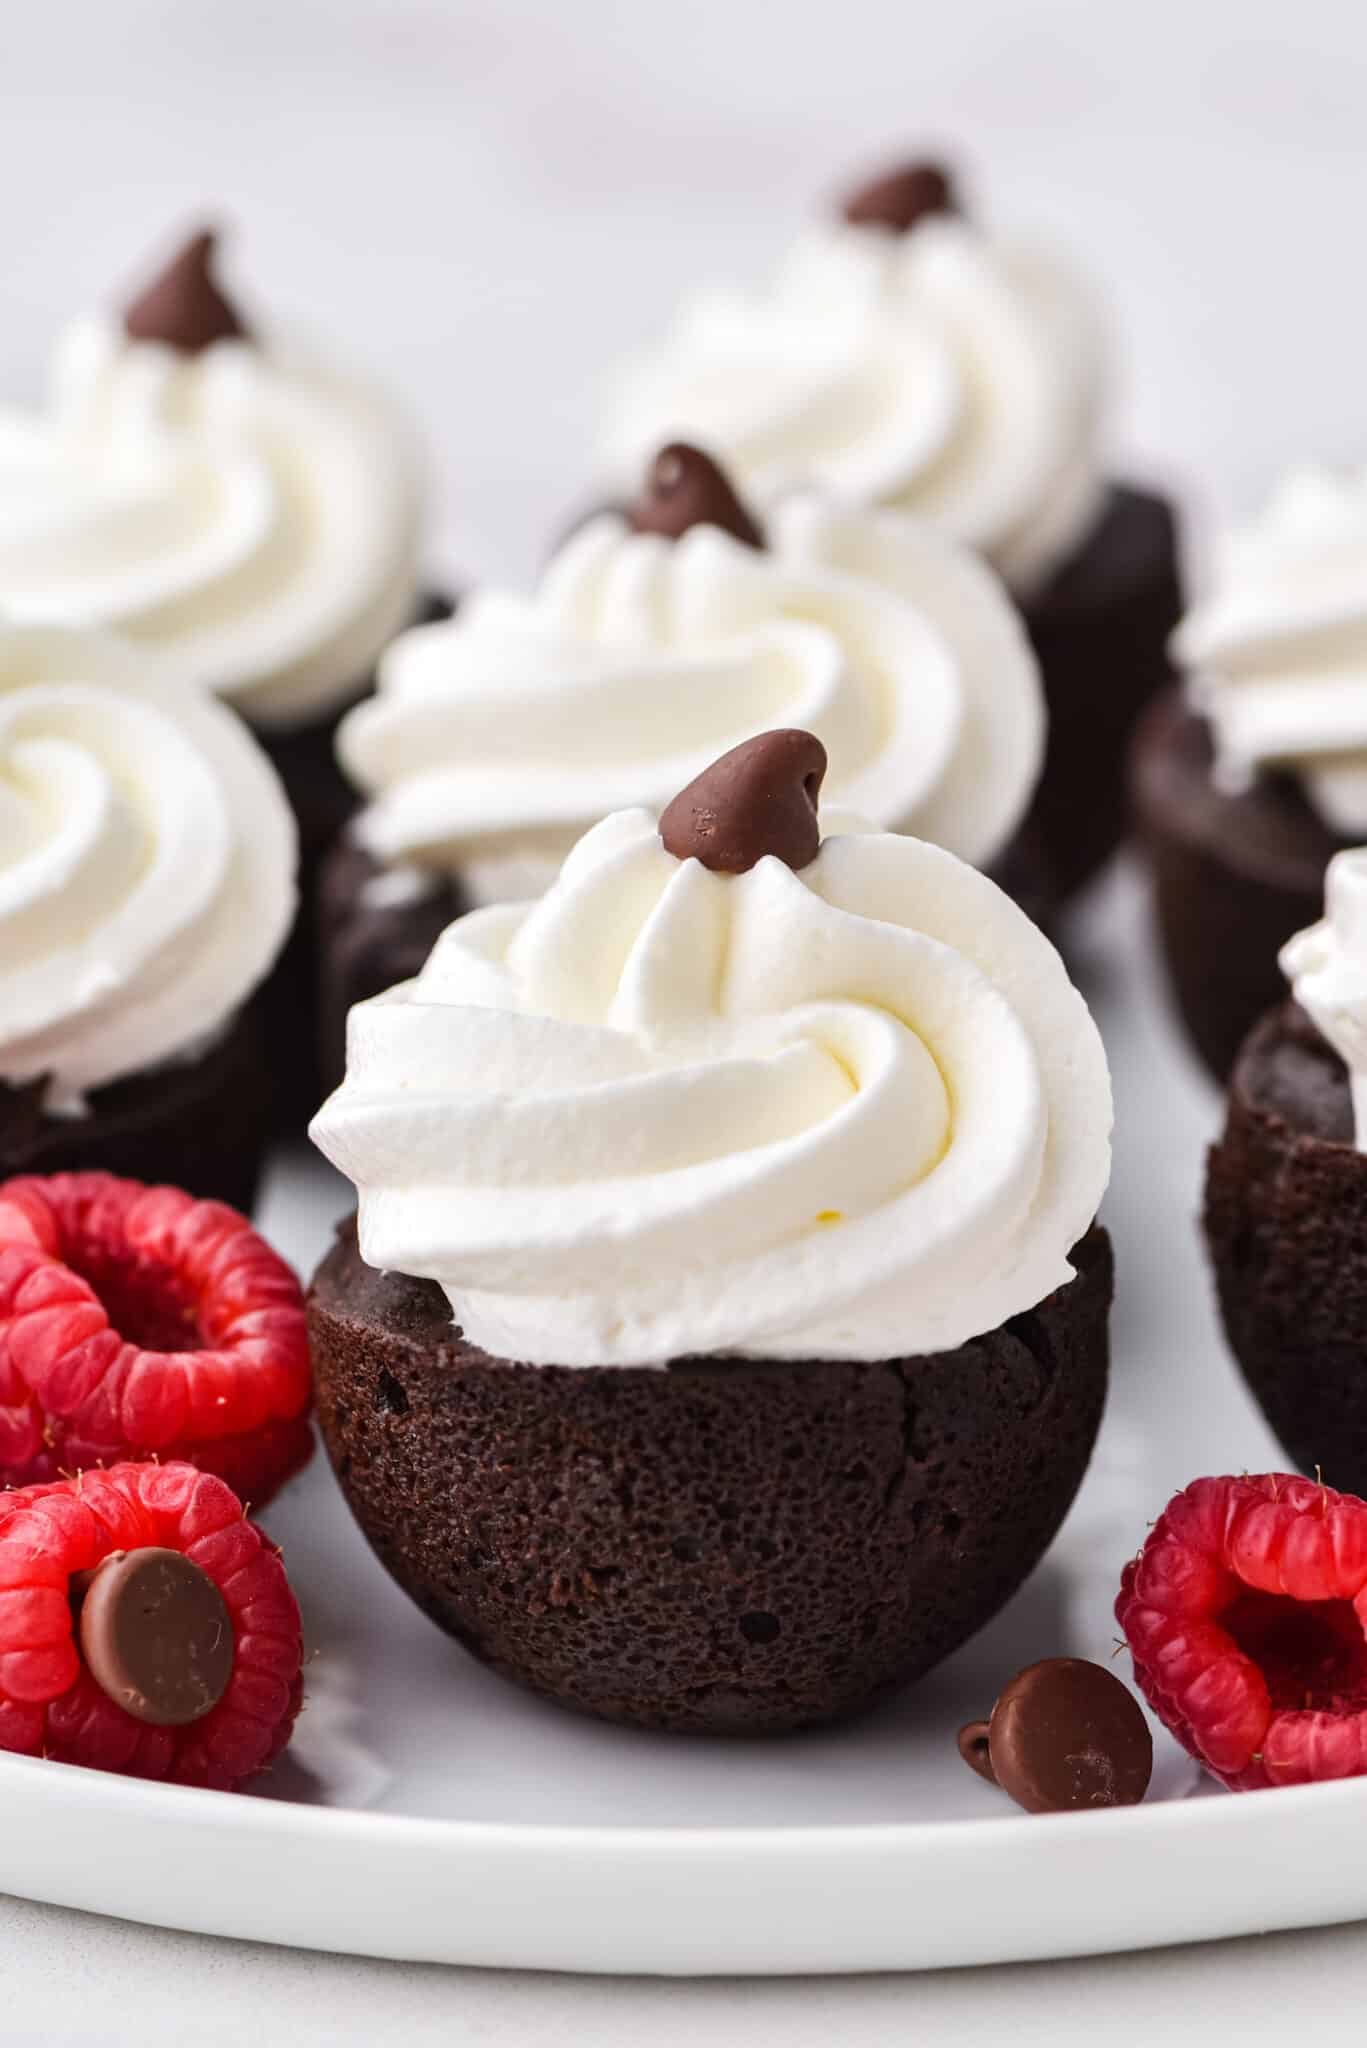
<point x="725" y="1285"/>
<point x="147" y="886"/>
<point x="657" y="639"/>
<point x="1253" y="777"/>
<point x="226" y="498"/>
<point x="722" y="1332"/>
<point x="907" y="358"/>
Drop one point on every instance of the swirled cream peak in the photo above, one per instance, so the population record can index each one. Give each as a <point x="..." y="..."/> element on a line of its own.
<point x="1278" y="649"/>
<point x="855" y="1111"/>
<point x="1327" y="969"/>
<point x="498" y="737"/>
<point x="237" y="505"/>
<point x="941" y="372"/>
<point x="147" y="859"/>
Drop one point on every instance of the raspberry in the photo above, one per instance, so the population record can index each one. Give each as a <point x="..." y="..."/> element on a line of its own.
<point x="1246" y="1616"/>
<point x="50" y="1703"/>
<point x="138" y="1322"/>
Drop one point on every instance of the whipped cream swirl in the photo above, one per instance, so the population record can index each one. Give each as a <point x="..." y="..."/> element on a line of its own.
<point x="147" y="859"/>
<point x="496" y="739"/>
<point x="942" y="372"/>
<point x="1327" y="969"/>
<point x="1279" y="647"/>
<point x="857" y="1111"/>
<point x="247" y="511"/>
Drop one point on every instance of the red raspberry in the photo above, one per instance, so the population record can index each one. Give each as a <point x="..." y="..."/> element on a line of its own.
<point x="138" y="1322"/>
<point x="51" y="1706"/>
<point x="1246" y="1615"/>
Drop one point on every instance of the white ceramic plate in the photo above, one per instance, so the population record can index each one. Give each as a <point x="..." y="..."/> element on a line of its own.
<point x="426" y="1810"/>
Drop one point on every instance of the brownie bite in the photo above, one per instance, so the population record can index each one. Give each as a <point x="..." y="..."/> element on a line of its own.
<point x="728" y="1545"/>
<point x="246" y="509"/>
<point x="203" y="1122"/>
<point x="912" y="359"/>
<point x="1234" y="874"/>
<point x="659" y="635"/>
<point x="716" y="1346"/>
<point x="1286" y="1193"/>
<point x="1286" y="1223"/>
<point x="1248" y="784"/>
<point x="147" y="884"/>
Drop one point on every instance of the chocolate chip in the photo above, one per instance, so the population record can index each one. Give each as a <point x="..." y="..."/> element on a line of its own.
<point x="155" y="1635"/>
<point x="184" y="307"/>
<point x="758" y="799"/>
<point x="975" y="1749"/>
<point x="900" y="198"/>
<point x="1065" y="1735"/>
<point x="684" y="488"/>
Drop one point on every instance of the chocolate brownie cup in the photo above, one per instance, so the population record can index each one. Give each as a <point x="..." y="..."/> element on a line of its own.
<point x="262" y="513"/>
<point x="1234" y="874"/>
<point x="717" y="1345"/>
<point x="906" y="357"/>
<point x="1286" y="1197"/>
<point x="1249" y="784"/>
<point x="729" y="1544"/>
<point x="147" y="860"/>
<point x="656" y="638"/>
<point x="202" y="1122"/>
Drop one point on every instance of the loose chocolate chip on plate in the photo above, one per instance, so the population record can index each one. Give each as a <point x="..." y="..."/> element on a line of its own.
<point x="1064" y="1736"/>
<point x="685" y="488"/>
<point x="184" y="307"/>
<point x="155" y="1635"/>
<point x="759" y="799"/>
<point x="976" y="1749"/>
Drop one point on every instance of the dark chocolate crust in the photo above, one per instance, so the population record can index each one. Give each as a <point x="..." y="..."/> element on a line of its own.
<point x="202" y="1126"/>
<point x="1233" y="878"/>
<point x="724" y="1545"/>
<point x="1286" y="1224"/>
<point x="1100" y="630"/>
<point x="323" y="800"/>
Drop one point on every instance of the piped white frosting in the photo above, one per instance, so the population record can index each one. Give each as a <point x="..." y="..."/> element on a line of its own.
<point x="1278" y="648"/>
<point x="1327" y="968"/>
<point x="944" y="373"/>
<point x="147" y="859"/>
<point x="498" y="738"/>
<point x="246" y="511"/>
<point x="854" y="1111"/>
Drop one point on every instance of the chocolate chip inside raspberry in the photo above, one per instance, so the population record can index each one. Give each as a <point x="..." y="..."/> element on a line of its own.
<point x="155" y="1635"/>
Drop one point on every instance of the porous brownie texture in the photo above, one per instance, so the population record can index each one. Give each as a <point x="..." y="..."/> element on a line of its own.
<point x="201" y="1124"/>
<point x="1234" y="876"/>
<point x="1286" y="1223"/>
<point x="722" y="1545"/>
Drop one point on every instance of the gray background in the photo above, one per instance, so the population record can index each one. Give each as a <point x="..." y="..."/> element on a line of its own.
<point x="489" y="200"/>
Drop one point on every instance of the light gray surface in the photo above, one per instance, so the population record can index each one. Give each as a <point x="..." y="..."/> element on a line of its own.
<point x="70" y="1981"/>
<point x="489" y="197"/>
